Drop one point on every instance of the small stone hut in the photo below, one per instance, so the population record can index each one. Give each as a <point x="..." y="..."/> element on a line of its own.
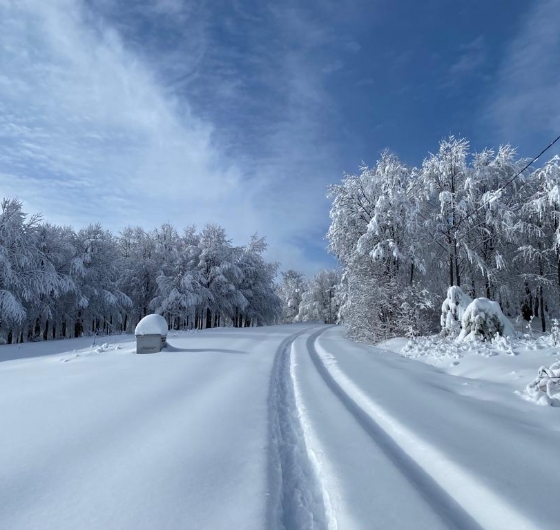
<point x="151" y="334"/>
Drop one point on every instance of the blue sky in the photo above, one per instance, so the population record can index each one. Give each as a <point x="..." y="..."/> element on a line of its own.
<point x="242" y="112"/>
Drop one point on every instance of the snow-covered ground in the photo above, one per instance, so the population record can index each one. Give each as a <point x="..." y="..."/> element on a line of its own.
<point x="510" y="363"/>
<point x="288" y="427"/>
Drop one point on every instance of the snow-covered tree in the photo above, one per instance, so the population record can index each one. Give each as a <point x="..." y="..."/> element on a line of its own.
<point x="319" y="300"/>
<point x="257" y="286"/>
<point x="139" y="264"/>
<point x="452" y="310"/>
<point x="404" y="235"/>
<point x="373" y="233"/>
<point x="179" y="283"/>
<point x="100" y="304"/>
<point x="291" y="291"/>
<point x="483" y="320"/>
<point x="538" y="243"/>
<point x="220" y="276"/>
<point x="55" y="282"/>
<point x="28" y="274"/>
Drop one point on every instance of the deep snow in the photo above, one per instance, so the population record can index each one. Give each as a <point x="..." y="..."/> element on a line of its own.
<point x="110" y="439"/>
<point x="280" y="427"/>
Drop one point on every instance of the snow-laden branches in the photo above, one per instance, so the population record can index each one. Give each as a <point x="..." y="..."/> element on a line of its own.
<point x="56" y="282"/>
<point x="461" y="219"/>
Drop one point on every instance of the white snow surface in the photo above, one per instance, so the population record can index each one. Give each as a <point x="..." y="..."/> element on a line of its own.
<point x="453" y="308"/>
<point x="545" y="389"/>
<point x="287" y="427"/>
<point x="152" y="325"/>
<point x="483" y="319"/>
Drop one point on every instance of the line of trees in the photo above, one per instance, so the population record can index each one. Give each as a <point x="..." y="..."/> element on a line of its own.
<point x="317" y="299"/>
<point x="57" y="282"/>
<point x="404" y="234"/>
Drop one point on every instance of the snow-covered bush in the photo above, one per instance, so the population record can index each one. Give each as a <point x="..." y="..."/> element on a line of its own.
<point x="545" y="389"/>
<point x="452" y="310"/>
<point x="504" y="344"/>
<point x="483" y="319"/>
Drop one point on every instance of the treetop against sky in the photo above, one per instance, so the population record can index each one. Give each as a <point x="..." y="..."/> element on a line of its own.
<point x="241" y="113"/>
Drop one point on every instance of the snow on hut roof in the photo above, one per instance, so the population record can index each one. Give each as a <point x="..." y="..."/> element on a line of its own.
<point x="151" y="325"/>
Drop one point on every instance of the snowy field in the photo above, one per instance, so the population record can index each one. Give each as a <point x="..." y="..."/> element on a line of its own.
<point x="282" y="427"/>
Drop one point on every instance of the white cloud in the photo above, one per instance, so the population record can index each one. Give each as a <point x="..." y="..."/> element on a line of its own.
<point x="525" y="101"/>
<point x="88" y="132"/>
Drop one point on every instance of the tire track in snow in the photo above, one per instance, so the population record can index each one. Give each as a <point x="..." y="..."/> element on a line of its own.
<point x="386" y="433"/>
<point x="452" y="514"/>
<point x="295" y="493"/>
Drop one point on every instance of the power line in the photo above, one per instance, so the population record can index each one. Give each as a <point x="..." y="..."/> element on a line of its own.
<point x="504" y="186"/>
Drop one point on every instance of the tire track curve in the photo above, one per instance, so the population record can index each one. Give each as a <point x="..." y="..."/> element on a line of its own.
<point x="451" y="512"/>
<point x="462" y="501"/>
<point x="295" y="499"/>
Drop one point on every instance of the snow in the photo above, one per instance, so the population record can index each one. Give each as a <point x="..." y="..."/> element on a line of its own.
<point x="284" y="427"/>
<point x="483" y="319"/>
<point x="524" y="366"/>
<point x="152" y="325"/>
<point x="115" y="440"/>
<point x="450" y="486"/>
<point x="452" y="310"/>
<point x="545" y="389"/>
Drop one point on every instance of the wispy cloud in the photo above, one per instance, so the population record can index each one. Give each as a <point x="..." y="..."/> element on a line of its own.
<point x="85" y="108"/>
<point x="525" y="101"/>
<point x="471" y="58"/>
<point x="469" y="62"/>
<point x="97" y="126"/>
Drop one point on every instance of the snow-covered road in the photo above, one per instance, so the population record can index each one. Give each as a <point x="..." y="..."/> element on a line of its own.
<point x="282" y="427"/>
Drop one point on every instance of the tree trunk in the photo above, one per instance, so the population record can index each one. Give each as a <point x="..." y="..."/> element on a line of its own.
<point x="527" y="305"/>
<point x="558" y="265"/>
<point x="451" y="270"/>
<point x="541" y="272"/>
<point x="543" y="322"/>
<point x="536" y="310"/>
<point x="457" y="275"/>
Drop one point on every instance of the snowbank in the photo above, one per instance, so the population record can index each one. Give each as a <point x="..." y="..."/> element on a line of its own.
<point x="483" y="319"/>
<point x="512" y="362"/>
<point x="545" y="389"/>
<point x="452" y="310"/>
<point x="152" y="325"/>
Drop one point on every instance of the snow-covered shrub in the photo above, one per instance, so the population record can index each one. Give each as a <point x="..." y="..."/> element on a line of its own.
<point x="483" y="319"/>
<point x="434" y="349"/>
<point x="452" y="310"/>
<point x="504" y="344"/>
<point x="545" y="389"/>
